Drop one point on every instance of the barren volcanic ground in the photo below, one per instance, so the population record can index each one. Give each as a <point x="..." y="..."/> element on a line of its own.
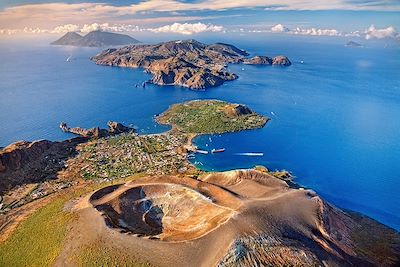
<point x="236" y="218"/>
<point x="165" y="211"/>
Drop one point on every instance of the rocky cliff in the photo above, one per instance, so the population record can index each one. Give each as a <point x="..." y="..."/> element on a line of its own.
<point x="264" y="60"/>
<point x="186" y="63"/>
<point x="26" y="162"/>
<point x="258" y="60"/>
<point x="96" y="132"/>
<point x="281" y="60"/>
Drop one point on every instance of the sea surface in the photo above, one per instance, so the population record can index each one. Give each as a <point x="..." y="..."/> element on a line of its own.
<point x="335" y="113"/>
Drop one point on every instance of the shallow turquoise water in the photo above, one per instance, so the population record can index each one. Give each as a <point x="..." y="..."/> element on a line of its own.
<point x="335" y="118"/>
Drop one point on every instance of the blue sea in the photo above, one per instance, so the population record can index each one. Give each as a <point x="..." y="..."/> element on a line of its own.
<point x="335" y="113"/>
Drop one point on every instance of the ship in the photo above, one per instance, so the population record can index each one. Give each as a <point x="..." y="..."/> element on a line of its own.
<point x="217" y="150"/>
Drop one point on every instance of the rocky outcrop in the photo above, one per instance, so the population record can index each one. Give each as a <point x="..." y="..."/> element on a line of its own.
<point x="242" y="110"/>
<point x="26" y="162"/>
<point x="95" y="39"/>
<point x="281" y="60"/>
<point x="96" y="132"/>
<point x="177" y="71"/>
<point x="186" y="63"/>
<point x="258" y="60"/>
<point x="264" y="60"/>
<point x="118" y="128"/>
<point x="235" y="110"/>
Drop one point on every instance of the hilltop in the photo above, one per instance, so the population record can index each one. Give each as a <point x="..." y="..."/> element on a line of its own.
<point x="95" y="39"/>
<point x="186" y="63"/>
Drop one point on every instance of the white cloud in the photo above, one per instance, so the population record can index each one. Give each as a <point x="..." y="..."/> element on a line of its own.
<point x="370" y="33"/>
<point x="188" y="28"/>
<point x="317" y="32"/>
<point x="66" y="28"/>
<point x="25" y="30"/>
<point x="279" y="28"/>
<point x="94" y="27"/>
<point x="306" y="31"/>
<point x="389" y="32"/>
<point x="44" y="14"/>
<point x="180" y="28"/>
<point x="110" y="28"/>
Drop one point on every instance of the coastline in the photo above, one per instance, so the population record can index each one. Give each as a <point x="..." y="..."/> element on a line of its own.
<point x="189" y="143"/>
<point x="250" y="188"/>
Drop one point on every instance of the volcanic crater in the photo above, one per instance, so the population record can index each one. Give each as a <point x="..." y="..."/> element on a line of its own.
<point x="162" y="211"/>
<point x="235" y="218"/>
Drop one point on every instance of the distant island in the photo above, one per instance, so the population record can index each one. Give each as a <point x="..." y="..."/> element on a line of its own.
<point x="186" y="63"/>
<point x="353" y="44"/>
<point x="95" y="39"/>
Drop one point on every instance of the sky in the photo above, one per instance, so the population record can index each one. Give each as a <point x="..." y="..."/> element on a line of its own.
<point x="369" y="19"/>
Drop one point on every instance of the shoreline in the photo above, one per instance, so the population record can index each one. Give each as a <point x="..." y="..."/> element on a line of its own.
<point x="189" y="143"/>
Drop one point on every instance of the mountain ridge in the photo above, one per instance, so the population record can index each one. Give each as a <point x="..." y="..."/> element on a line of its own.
<point x="95" y="39"/>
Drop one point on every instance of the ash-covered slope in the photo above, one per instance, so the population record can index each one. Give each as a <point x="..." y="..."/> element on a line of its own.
<point x="236" y="218"/>
<point x="187" y="63"/>
<point x="95" y="39"/>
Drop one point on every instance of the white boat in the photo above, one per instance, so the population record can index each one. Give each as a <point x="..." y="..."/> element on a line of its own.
<point x="217" y="150"/>
<point x="69" y="58"/>
<point x="201" y="151"/>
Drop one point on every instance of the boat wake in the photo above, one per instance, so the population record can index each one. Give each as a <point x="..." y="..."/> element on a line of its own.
<point x="250" y="154"/>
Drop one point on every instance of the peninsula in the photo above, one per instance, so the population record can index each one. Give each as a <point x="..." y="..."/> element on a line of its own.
<point x="211" y="116"/>
<point x="186" y="63"/>
<point x="123" y="199"/>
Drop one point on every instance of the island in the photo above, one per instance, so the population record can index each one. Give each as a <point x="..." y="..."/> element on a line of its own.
<point x="353" y="44"/>
<point x="136" y="200"/>
<point x="95" y="39"/>
<point x="186" y="63"/>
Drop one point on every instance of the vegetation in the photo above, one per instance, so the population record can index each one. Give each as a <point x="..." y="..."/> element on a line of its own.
<point x="100" y="255"/>
<point x="39" y="239"/>
<point x="377" y="245"/>
<point x="210" y="116"/>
